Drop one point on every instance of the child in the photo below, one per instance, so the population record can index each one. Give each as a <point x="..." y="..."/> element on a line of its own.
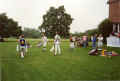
<point x="22" y="44"/>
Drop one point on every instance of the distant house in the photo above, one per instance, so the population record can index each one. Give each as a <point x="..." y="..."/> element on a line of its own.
<point x="114" y="14"/>
<point x="114" y="11"/>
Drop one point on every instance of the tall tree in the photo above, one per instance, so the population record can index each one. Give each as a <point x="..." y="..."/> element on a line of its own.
<point x="56" y="20"/>
<point x="105" y="27"/>
<point x="9" y="27"/>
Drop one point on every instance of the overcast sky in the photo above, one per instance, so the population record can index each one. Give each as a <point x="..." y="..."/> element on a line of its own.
<point x="87" y="14"/>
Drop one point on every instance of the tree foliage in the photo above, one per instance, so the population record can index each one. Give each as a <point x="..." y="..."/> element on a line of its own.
<point x="92" y="31"/>
<point x="79" y="34"/>
<point x="88" y="32"/>
<point x="9" y="27"/>
<point x="105" y="27"/>
<point x="56" y="20"/>
<point x="31" y="33"/>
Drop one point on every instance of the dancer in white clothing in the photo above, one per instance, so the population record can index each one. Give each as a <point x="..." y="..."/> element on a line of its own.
<point x="56" y="46"/>
<point x="44" y="42"/>
<point x="100" y="42"/>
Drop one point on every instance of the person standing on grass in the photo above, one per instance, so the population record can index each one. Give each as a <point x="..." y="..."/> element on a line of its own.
<point x="91" y="38"/>
<point x="44" y="42"/>
<point x="100" y="41"/>
<point x="22" y="44"/>
<point x="94" y="39"/>
<point x="56" y="47"/>
<point x="72" y="45"/>
<point x="85" y="41"/>
<point x="74" y="40"/>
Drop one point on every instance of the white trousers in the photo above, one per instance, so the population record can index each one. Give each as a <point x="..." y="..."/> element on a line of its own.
<point x="56" y="48"/>
<point x="52" y="49"/>
<point x="100" y="44"/>
<point x="44" y="44"/>
<point x="72" y="45"/>
<point x="22" y="55"/>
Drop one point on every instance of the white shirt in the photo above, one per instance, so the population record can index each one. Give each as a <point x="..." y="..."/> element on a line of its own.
<point x="73" y="38"/>
<point x="91" y="38"/>
<point x="57" y="39"/>
<point x="100" y="39"/>
<point x="44" y="39"/>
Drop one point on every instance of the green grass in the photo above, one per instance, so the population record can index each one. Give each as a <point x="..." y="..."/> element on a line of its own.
<point x="43" y="66"/>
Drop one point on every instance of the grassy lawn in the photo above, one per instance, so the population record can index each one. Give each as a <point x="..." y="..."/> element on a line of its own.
<point x="43" y="66"/>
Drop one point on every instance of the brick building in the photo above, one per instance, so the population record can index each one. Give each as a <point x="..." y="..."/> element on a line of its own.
<point x="114" y="13"/>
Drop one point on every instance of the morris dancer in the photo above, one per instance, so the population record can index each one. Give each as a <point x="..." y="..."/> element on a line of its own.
<point x="56" y="46"/>
<point x="44" y="41"/>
